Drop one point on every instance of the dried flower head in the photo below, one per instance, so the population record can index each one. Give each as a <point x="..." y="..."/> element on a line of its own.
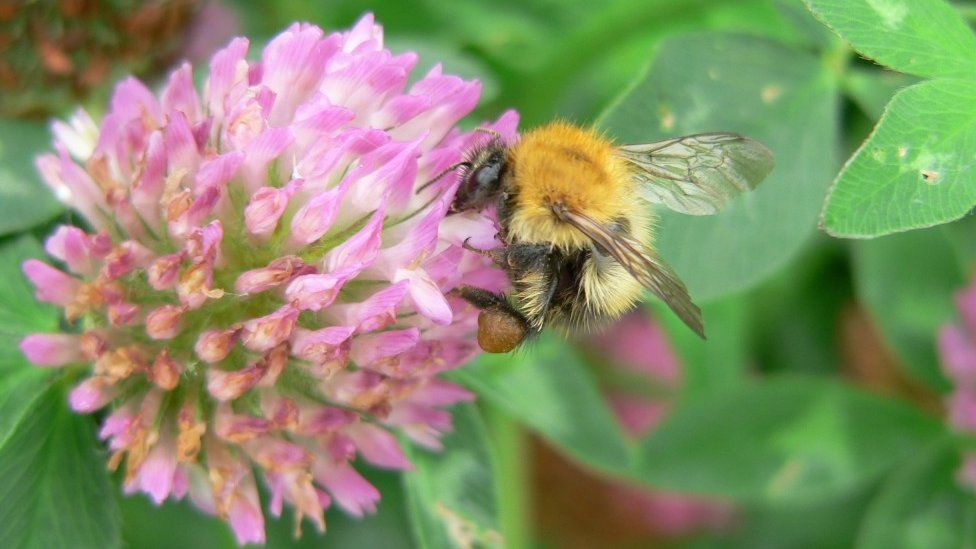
<point x="264" y="295"/>
<point x="53" y="53"/>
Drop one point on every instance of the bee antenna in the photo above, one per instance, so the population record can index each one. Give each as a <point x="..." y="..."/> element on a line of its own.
<point x="446" y="171"/>
<point x="495" y="135"/>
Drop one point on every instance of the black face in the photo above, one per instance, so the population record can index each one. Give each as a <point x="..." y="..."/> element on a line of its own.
<point x="483" y="181"/>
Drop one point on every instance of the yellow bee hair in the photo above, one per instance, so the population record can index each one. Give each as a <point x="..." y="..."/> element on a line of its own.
<point x="578" y="167"/>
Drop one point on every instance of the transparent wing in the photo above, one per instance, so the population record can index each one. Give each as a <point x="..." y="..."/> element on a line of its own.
<point x="698" y="174"/>
<point x="641" y="263"/>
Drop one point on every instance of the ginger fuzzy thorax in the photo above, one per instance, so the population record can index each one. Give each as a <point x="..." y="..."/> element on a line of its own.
<point x="577" y="167"/>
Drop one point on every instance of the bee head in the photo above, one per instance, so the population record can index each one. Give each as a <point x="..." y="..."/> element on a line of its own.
<point x="482" y="181"/>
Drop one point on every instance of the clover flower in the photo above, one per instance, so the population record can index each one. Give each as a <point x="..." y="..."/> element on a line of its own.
<point x="957" y="351"/>
<point x="263" y="294"/>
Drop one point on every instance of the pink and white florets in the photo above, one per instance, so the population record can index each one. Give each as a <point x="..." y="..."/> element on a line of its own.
<point x="264" y="295"/>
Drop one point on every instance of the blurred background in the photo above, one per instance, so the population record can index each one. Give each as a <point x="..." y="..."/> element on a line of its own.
<point x="793" y="426"/>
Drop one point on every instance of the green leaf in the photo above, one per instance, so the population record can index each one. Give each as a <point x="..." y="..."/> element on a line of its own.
<point x="20" y="314"/>
<point x="723" y="359"/>
<point x="921" y="37"/>
<point x="550" y="390"/>
<point x="779" y="95"/>
<point x="55" y="490"/>
<point x="831" y="522"/>
<point x="451" y="494"/>
<point x="20" y="386"/>
<point x="783" y="440"/>
<point x="916" y="168"/>
<point x="906" y="281"/>
<point x="922" y="506"/>
<point x="24" y="200"/>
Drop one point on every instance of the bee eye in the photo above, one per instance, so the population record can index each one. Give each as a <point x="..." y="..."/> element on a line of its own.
<point x="487" y="174"/>
<point x="482" y="185"/>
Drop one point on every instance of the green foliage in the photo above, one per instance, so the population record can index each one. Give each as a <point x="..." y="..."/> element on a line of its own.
<point x="555" y="394"/>
<point x="55" y="489"/>
<point x="920" y="37"/>
<point x="808" y="460"/>
<point x="759" y="88"/>
<point x="914" y="170"/>
<point x="906" y="281"/>
<point x="452" y="493"/>
<point x="24" y="200"/>
<point x="922" y="505"/>
<point x="20" y="384"/>
<point x="785" y="440"/>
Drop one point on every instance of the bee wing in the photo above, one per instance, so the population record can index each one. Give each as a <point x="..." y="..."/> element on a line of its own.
<point x="643" y="264"/>
<point x="697" y="174"/>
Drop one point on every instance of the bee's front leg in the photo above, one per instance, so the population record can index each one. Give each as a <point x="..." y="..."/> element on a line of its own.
<point x="496" y="254"/>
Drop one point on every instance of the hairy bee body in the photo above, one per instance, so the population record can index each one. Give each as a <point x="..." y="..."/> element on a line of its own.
<point x="576" y="167"/>
<point x="575" y="222"/>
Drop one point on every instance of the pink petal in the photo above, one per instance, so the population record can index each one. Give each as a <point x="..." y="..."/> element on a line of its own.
<point x="293" y="64"/>
<point x="216" y="172"/>
<point x="266" y="206"/>
<point x="958" y="353"/>
<point x="181" y="145"/>
<point x="319" y="346"/>
<point x="438" y="392"/>
<point x="150" y="184"/>
<point x="315" y="218"/>
<point x="425" y="295"/>
<point x="228" y="70"/>
<point x="962" y="409"/>
<point x="51" y="285"/>
<point x="351" y="491"/>
<point x="51" y="349"/>
<point x="125" y="258"/>
<point x="163" y="273"/>
<point x="156" y="475"/>
<point x="164" y="322"/>
<point x="370" y="348"/>
<point x="375" y="312"/>
<point x="225" y="386"/>
<point x="378" y="446"/>
<point x="203" y="244"/>
<point x="165" y="372"/>
<point x="179" y="94"/>
<point x="966" y="303"/>
<point x="359" y="250"/>
<point x="259" y="153"/>
<point x="387" y="177"/>
<point x="277" y="272"/>
<point x="244" y="515"/>
<point x="74" y="247"/>
<point x="91" y="394"/>
<point x="214" y="345"/>
<point x="314" y="292"/>
<point x="263" y="333"/>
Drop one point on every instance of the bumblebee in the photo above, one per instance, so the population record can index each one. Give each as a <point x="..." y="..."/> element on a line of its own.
<point x="576" y="223"/>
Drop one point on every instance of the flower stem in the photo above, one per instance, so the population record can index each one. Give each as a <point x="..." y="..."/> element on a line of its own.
<point x="512" y="477"/>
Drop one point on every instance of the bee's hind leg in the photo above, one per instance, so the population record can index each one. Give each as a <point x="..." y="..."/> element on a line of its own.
<point x="500" y="326"/>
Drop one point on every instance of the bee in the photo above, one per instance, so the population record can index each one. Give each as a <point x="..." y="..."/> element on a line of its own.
<point x="576" y="223"/>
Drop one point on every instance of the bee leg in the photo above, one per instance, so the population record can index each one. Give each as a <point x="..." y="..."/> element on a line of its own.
<point x="481" y="298"/>
<point x="500" y="326"/>
<point x="486" y="253"/>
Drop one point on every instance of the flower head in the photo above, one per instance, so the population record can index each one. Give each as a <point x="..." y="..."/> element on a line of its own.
<point x="957" y="350"/>
<point x="264" y="295"/>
